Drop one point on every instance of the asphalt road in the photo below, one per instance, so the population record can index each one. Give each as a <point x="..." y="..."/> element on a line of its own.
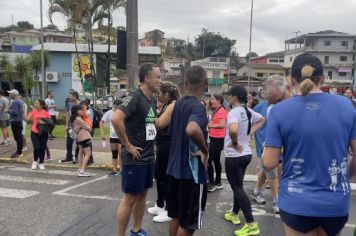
<point x="56" y="202"/>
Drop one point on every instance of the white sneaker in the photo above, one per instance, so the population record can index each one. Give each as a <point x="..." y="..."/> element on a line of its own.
<point x="161" y="218"/>
<point x="34" y="165"/>
<point x="24" y="149"/>
<point x="155" y="210"/>
<point x="42" y="167"/>
<point x="83" y="174"/>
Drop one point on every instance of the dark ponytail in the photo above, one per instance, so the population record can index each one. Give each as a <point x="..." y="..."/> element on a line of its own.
<point x="74" y="112"/>
<point x="240" y="93"/>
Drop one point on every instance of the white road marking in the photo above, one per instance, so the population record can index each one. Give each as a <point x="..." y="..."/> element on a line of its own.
<point x="63" y="192"/>
<point x="16" y="193"/>
<point x="47" y="171"/>
<point x="34" y="180"/>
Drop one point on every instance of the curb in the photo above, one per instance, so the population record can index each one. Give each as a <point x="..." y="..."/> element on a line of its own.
<point x="53" y="164"/>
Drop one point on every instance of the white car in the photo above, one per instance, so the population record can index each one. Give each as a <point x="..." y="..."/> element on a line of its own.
<point x="103" y="103"/>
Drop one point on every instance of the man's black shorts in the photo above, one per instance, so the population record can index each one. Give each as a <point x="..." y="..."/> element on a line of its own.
<point x="185" y="201"/>
<point x="115" y="140"/>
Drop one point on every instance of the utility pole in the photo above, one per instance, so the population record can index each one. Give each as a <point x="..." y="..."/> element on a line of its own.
<point x="295" y="41"/>
<point x="249" y="51"/>
<point x="42" y="57"/>
<point x="204" y="47"/>
<point x="132" y="44"/>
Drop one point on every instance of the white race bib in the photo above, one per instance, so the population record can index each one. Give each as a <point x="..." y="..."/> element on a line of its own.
<point x="150" y="132"/>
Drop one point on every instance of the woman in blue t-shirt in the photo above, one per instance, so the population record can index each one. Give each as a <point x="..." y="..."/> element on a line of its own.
<point x="315" y="130"/>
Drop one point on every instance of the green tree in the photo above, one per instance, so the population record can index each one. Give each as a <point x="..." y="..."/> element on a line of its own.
<point x="4" y="61"/>
<point x="35" y="61"/>
<point x="51" y="27"/>
<point x="213" y="44"/>
<point x="253" y="54"/>
<point x="24" y="25"/>
<point x="22" y="68"/>
<point x="9" y="75"/>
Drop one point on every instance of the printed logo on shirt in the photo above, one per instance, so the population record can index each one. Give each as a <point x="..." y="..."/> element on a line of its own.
<point x="126" y="101"/>
<point x="313" y="106"/>
<point x="151" y="117"/>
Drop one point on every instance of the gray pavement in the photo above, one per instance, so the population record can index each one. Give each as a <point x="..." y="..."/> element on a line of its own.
<point x="56" y="202"/>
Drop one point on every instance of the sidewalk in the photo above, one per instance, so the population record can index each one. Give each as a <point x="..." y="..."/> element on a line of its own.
<point x="57" y="147"/>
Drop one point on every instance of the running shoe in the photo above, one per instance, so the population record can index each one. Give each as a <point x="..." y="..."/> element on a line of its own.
<point x="83" y="174"/>
<point x="161" y="218"/>
<point x="218" y="186"/>
<point x="211" y="187"/>
<point x="65" y="160"/>
<point x="234" y="218"/>
<point x="247" y="230"/>
<point x="5" y="143"/>
<point x="16" y="155"/>
<point x="258" y="197"/>
<point x="24" y="149"/>
<point x="141" y="232"/>
<point x="34" y="165"/>
<point x="275" y="208"/>
<point x="48" y="159"/>
<point x="41" y="166"/>
<point x="112" y="173"/>
<point x="155" y="210"/>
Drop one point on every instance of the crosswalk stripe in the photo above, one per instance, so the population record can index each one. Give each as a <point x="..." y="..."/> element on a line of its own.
<point x="47" y="171"/>
<point x="34" y="180"/>
<point x="17" y="193"/>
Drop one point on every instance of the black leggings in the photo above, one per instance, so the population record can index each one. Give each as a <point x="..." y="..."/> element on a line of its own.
<point x="160" y="172"/>
<point x="39" y="146"/>
<point x="235" y="171"/>
<point x="215" y="147"/>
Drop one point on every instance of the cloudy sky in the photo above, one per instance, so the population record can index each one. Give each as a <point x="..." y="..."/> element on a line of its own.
<point x="273" y="20"/>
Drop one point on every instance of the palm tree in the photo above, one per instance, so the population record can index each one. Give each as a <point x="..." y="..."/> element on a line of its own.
<point x="4" y="60"/>
<point x="34" y="63"/>
<point x="72" y="10"/>
<point x="21" y="68"/>
<point x="110" y="6"/>
<point x="9" y="74"/>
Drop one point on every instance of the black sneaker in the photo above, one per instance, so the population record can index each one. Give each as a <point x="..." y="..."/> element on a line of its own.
<point x="218" y="186"/>
<point x="211" y="187"/>
<point x="16" y="155"/>
<point x="113" y="173"/>
<point x="65" y="160"/>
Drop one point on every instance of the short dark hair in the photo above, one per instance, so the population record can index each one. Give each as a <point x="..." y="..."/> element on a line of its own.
<point x="85" y="101"/>
<point x="49" y="92"/>
<point x="145" y="70"/>
<point x="196" y="75"/>
<point x="2" y="93"/>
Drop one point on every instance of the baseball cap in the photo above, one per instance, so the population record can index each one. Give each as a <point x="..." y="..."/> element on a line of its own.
<point x="306" y="59"/>
<point x="13" y="91"/>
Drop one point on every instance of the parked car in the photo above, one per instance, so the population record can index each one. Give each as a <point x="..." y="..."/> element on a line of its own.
<point x="103" y="102"/>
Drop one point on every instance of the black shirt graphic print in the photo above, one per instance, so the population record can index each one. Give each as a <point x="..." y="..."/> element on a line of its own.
<point x="140" y="126"/>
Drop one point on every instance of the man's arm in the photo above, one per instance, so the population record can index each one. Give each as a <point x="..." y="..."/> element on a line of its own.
<point x="195" y="133"/>
<point x="118" y="122"/>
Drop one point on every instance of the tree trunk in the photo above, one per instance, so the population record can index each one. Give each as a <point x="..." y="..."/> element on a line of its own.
<point x="77" y="53"/>
<point x="108" y="57"/>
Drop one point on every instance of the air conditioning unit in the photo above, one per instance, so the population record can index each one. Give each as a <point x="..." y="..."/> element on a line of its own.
<point x="52" y="77"/>
<point x="37" y="78"/>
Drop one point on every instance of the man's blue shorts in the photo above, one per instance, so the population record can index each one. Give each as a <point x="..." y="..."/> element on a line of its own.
<point x="135" y="179"/>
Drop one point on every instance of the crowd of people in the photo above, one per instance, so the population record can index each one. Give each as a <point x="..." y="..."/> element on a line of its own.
<point x="305" y="141"/>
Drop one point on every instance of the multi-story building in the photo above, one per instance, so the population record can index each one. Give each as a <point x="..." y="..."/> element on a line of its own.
<point x="262" y="71"/>
<point x="216" y="68"/>
<point x="336" y="50"/>
<point x="154" y="38"/>
<point x="172" y="67"/>
<point x="270" y="58"/>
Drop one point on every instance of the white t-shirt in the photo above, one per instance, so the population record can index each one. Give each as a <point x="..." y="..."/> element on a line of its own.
<point x="107" y="119"/>
<point x="50" y="102"/>
<point x="238" y="115"/>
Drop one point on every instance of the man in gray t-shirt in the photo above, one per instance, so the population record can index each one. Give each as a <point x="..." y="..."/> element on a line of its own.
<point x="4" y="119"/>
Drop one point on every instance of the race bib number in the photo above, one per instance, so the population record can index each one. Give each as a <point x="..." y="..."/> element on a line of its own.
<point x="150" y="132"/>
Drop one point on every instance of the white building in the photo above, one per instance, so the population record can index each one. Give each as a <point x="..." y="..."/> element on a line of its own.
<point x="172" y="67"/>
<point x="336" y="50"/>
<point x="216" y="68"/>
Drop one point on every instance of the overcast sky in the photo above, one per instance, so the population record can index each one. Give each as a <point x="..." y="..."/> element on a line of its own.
<point x="273" y="20"/>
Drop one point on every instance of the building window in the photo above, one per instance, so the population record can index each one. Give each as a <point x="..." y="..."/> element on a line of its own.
<point x="273" y="60"/>
<point x="343" y="58"/>
<point x="342" y="74"/>
<point x="327" y="43"/>
<point x="281" y="60"/>
<point x="216" y="74"/>
<point x="259" y="75"/>
<point x="330" y="74"/>
<point x="344" y="43"/>
<point x="290" y="59"/>
<point x="326" y="60"/>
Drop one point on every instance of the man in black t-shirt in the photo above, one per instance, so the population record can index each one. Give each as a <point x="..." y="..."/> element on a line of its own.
<point x="134" y="122"/>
